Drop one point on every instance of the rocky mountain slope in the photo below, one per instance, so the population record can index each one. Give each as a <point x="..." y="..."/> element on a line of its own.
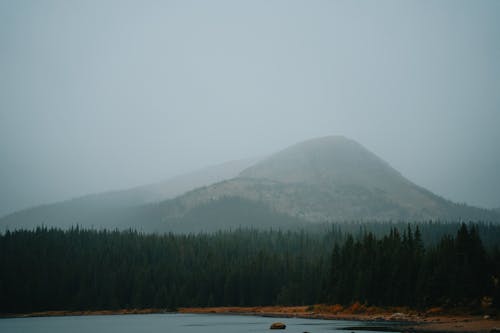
<point x="330" y="179"/>
<point x="327" y="179"/>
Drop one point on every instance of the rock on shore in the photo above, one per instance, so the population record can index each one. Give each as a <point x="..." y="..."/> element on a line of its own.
<point x="278" y="326"/>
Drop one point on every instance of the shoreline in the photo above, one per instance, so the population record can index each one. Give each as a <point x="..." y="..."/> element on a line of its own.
<point x="400" y="319"/>
<point x="391" y="318"/>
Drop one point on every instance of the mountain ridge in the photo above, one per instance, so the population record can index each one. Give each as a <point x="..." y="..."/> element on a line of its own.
<point x="108" y="209"/>
<point x="328" y="179"/>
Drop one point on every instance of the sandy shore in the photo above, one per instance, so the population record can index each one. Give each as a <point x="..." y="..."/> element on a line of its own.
<point x="432" y="320"/>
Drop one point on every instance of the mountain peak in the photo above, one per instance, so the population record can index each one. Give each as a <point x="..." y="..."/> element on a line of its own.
<point x="331" y="159"/>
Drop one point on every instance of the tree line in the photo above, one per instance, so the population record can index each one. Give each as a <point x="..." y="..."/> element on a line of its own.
<point x="80" y="269"/>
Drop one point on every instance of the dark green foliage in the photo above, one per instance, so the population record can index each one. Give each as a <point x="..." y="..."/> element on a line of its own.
<point x="397" y="270"/>
<point x="50" y="269"/>
<point x="393" y="264"/>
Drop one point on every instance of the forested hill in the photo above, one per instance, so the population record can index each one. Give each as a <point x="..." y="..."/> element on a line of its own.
<point x="52" y="269"/>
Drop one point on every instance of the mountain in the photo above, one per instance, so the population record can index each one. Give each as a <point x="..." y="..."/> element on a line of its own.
<point x="119" y="209"/>
<point x="326" y="179"/>
<point x="320" y="180"/>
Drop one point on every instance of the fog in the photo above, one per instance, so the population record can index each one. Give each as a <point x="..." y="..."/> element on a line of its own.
<point x="102" y="95"/>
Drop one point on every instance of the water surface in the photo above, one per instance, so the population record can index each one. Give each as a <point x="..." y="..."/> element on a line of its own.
<point x="167" y="323"/>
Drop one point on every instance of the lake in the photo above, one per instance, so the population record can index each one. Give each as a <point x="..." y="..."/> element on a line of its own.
<point x="166" y="323"/>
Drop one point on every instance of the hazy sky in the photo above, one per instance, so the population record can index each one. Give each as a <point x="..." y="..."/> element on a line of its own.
<point x="100" y="95"/>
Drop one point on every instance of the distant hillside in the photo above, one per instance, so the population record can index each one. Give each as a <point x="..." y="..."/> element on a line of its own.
<point x="329" y="179"/>
<point x="120" y="209"/>
<point x="224" y="213"/>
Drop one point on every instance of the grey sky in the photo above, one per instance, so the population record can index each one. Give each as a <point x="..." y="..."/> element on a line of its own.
<point x="100" y="95"/>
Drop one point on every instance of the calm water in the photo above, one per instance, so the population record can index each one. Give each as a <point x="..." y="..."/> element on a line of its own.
<point x="166" y="323"/>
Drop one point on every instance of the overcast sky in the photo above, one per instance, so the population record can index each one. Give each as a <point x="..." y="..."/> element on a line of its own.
<point x="101" y="95"/>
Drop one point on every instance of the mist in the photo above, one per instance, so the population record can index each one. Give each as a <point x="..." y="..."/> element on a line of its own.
<point x="96" y="96"/>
